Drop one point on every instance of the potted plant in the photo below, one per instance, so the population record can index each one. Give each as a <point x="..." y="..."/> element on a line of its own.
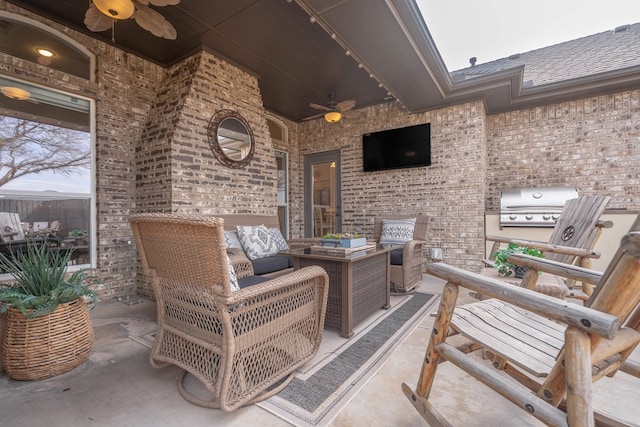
<point x="47" y="330"/>
<point x="505" y="268"/>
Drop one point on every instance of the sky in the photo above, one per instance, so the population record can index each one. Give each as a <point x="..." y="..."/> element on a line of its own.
<point x="495" y="29"/>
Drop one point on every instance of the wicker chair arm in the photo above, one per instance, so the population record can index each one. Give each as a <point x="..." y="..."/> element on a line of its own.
<point x="240" y="262"/>
<point x="275" y="285"/>
<point x="412" y="259"/>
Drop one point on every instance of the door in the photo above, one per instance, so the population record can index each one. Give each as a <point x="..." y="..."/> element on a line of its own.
<point x="322" y="194"/>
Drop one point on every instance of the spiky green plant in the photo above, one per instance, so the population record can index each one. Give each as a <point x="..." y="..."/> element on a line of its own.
<point x="41" y="280"/>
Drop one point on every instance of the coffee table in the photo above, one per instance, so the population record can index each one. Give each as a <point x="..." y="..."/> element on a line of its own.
<point x="358" y="283"/>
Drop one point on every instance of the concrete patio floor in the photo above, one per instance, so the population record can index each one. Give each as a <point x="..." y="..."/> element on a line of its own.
<point x="118" y="387"/>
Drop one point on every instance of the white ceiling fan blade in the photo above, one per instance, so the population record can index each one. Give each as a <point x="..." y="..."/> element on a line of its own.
<point x="96" y="20"/>
<point x="319" y="107"/>
<point x="315" y="116"/>
<point x="345" y="105"/>
<point x="154" y="22"/>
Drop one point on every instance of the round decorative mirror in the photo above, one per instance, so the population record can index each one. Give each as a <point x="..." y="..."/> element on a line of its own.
<point x="231" y="139"/>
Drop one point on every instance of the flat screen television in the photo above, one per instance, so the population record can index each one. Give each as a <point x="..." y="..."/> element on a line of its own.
<point x="406" y="147"/>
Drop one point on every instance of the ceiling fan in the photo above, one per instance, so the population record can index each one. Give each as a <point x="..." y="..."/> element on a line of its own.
<point x="102" y="15"/>
<point x="333" y="111"/>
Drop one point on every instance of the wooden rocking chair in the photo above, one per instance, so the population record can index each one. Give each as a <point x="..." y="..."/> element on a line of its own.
<point x="572" y="241"/>
<point x="552" y="350"/>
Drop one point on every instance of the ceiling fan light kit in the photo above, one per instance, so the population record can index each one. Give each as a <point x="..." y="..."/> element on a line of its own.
<point x="333" y="116"/>
<point x="102" y="14"/>
<point x="116" y="9"/>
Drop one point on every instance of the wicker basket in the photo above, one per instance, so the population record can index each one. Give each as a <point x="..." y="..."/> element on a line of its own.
<point x="49" y="345"/>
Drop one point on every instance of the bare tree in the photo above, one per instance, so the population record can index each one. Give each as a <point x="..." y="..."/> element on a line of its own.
<point x="28" y="147"/>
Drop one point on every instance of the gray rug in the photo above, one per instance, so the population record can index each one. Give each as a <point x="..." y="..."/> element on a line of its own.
<point x="315" y="398"/>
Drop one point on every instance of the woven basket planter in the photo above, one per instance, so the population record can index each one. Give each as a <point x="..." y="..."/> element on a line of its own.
<point x="49" y="345"/>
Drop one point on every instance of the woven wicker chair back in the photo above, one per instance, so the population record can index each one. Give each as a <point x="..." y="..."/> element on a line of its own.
<point x="196" y="253"/>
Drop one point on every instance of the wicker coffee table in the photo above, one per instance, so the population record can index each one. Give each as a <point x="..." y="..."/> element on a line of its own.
<point x="358" y="284"/>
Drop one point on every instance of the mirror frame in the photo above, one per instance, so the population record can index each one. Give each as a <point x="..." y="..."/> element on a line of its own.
<point x="212" y="134"/>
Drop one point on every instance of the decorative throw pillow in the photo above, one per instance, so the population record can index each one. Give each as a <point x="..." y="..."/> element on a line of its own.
<point x="232" y="276"/>
<point x="232" y="240"/>
<point x="397" y="231"/>
<point x="256" y="241"/>
<point x="277" y="236"/>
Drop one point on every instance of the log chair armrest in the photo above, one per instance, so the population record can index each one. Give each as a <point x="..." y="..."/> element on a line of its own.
<point x="584" y="318"/>
<point x="556" y="268"/>
<point x="604" y="224"/>
<point x="545" y="247"/>
<point x="567" y="250"/>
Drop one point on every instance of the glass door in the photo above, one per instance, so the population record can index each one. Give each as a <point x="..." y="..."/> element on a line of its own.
<point x="283" y="192"/>
<point x="322" y="193"/>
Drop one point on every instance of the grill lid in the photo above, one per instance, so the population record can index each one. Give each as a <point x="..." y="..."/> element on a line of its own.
<point x="534" y="207"/>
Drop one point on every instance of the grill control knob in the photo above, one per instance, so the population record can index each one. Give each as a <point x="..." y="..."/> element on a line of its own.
<point x="512" y="217"/>
<point x="546" y="217"/>
<point x="537" y="195"/>
<point x="529" y="217"/>
<point x="554" y="217"/>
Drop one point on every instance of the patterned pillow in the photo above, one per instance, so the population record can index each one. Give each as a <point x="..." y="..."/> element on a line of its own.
<point x="256" y="241"/>
<point x="276" y="235"/>
<point x="232" y="240"/>
<point x="397" y="231"/>
<point x="232" y="276"/>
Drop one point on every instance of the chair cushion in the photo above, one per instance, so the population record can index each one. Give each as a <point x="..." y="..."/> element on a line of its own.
<point x="395" y="257"/>
<point x="270" y="264"/>
<point x="251" y="280"/>
<point x="397" y="231"/>
<point x="232" y="240"/>
<point x="281" y="243"/>
<point x="256" y="241"/>
<point x="232" y="275"/>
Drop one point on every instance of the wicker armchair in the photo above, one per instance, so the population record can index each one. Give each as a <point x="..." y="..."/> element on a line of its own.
<point x="406" y="275"/>
<point x="242" y="345"/>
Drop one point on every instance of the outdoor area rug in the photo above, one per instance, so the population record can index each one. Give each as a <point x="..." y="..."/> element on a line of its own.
<point x="316" y="395"/>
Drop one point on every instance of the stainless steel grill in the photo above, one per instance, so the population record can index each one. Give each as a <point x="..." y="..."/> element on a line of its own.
<point x="534" y="207"/>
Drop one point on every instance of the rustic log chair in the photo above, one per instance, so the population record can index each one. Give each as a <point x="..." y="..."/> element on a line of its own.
<point x="406" y="273"/>
<point x="571" y="242"/>
<point x="553" y="350"/>
<point x="243" y="345"/>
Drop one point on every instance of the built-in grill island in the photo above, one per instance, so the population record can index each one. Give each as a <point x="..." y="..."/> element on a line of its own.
<point x="534" y="207"/>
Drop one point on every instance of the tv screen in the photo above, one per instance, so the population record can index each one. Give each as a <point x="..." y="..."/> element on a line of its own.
<point x="405" y="147"/>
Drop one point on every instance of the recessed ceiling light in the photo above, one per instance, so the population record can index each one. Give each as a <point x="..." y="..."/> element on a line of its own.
<point x="45" y="52"/>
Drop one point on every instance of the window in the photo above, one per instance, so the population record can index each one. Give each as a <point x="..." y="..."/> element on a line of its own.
<point x="45" y="167"/>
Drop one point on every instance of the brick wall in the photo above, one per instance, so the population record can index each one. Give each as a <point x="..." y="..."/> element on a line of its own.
<point x="591" y="144"/>
<point x="451" y="190"/>
<point x="152" y="153"/>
